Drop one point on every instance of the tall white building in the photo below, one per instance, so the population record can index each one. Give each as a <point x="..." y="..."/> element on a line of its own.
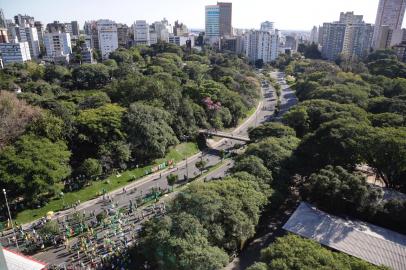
<point x="267" y="26"/>
<point x="212" y="28"/>
<point x="261" y="45"/>
<point x="181" y="40"/>
<point x="388" y="23"/>
<point x="57" y="44"/>
<point x="18" y="52"/>
<point x="108" y="38"/>
<point x="161" y="30"/>
<point x="314" y="35"/>
<point x="29" y="34"/>
<point x="141" y="33"/>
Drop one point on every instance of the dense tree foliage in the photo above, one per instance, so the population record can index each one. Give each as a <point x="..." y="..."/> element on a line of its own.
<point x="124" y="111"/>
<point x="33" y="165"/>
<point x="294" y="252"/>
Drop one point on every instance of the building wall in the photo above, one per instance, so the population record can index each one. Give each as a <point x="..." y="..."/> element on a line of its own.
<point x="15" y="52"/>
<point x="212" y="22"/>
<point x="108" y="38"/>
<point x="57" y="44"/>
<point x="390" y="13"/>
<point x="141" y="33"/>
<point x="225" y="20"/>
<point x="332" y="40"/>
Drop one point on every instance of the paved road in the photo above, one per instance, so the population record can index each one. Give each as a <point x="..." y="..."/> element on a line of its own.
<point x="252" y="252"/>
<point x="158" y="180"/>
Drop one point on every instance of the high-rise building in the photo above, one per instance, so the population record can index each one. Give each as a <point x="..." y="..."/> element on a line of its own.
<point x="332" y="40"/>
<point x="141" y="33"/>
<point x="90" y="29"/>
<point x="108" y="38"/>
<point x="75" y="28"/>
<point x="388" y="23"/>
<point x="15" y="52"/>
<point x="212" y="23"/>
<point x="3" y="23"/>
<point x="57" y="44"/>
<point x="350" y="36"/>
<point x="267" y="26"/>
<point x="40" y="31"/>
<point x="350" y="18"/>
<point x="56" y="27"/>
<point x="180" y="29"/>
<point x="29" y="34"/>
<point x="123" y="32"/>
<point x="291" y="43"/>
<point x="400" y="51"/>
<point x="314" y="35"/>
<point x="226" y="12"/>
<point x="261" y="45"/>
<point x="162" y="30"/>
<point x="22" y="20"/>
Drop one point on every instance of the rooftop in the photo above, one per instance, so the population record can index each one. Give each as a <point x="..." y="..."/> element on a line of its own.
<point x="371" y="243"/>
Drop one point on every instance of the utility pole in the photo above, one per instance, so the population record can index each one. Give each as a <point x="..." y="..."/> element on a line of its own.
<point x="11" y="220"/>
<point x="187" y="171"/>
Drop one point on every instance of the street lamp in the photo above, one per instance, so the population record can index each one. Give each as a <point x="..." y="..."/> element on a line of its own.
<point x="11" y="220"/>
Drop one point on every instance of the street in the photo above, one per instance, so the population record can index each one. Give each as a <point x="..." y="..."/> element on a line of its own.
<point x="262" y="239"/>
<point x="124" y="197"/>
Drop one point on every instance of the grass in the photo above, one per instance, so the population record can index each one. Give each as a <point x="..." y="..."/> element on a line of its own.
<point x="111" y="183"/>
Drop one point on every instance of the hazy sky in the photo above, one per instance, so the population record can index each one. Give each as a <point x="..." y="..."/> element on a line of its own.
<point x="287" y="14"/>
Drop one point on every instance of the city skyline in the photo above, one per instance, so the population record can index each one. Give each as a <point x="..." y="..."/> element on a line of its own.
<point x="302" y="16"/>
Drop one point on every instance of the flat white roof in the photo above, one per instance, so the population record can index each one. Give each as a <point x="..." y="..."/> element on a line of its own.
<point x="371" y="243"/>
<point x="14" y="261"/>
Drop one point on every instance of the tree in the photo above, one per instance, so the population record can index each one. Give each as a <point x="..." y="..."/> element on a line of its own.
<point x="100" y="125"/>
<point x="336" y="190"/>
<point x="294" y="252"/>
<point x="271" y="129"/>
<point x="337" y="143"/>
<point x="90" y="168"/>
<point x="32" y="166"/>
<point x="149" y="131"/>
<point x="229" y="210"/>
<point x="91" y="76"/>
<point x="201" y="165"/>
<point x="385" y="150"/>
<point x="275" y="152"/>
<point x="254" y="166"/>
<point x="114" y="154"/>
<point x="15" y="115"/>
<point x="178" y="241"/>
<point x="49" y="230"/>
<point x="172" y="179"/>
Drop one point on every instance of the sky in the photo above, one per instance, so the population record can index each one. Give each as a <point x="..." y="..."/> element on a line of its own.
<point x="287" y="14"/>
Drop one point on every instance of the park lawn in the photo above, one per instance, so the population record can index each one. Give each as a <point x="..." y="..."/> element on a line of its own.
<point x="111" y="183"/>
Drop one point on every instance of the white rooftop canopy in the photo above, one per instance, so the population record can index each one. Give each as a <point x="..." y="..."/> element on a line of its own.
<point x="10" y="260"/>
<point x="371" y="243"/>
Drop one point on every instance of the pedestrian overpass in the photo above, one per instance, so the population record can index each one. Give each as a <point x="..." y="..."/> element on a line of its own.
<point x="226" y="135"/>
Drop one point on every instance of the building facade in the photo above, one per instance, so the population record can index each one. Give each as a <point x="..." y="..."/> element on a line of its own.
<point x="15" y="52"/>
<point x="314" y="35"/>
<point x="226" y="13"/>
<point x="57" y="44"/>
<point x="350" y="37"/>
<point x="141" y="33"/>
<point x="108" y="38"/>
<point x="181" y="40"/>
<point x="75" y="28"/>
<point x="261" y="45"/>
<point x="267" y="26"/>
<point x="29" y="34"/>
<point x="212" y="25"/>
<point x="123" y="35"/>
<point x="389" y="19"/>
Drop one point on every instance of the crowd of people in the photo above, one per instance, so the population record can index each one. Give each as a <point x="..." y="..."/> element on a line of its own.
<point x="88" y="241"/>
